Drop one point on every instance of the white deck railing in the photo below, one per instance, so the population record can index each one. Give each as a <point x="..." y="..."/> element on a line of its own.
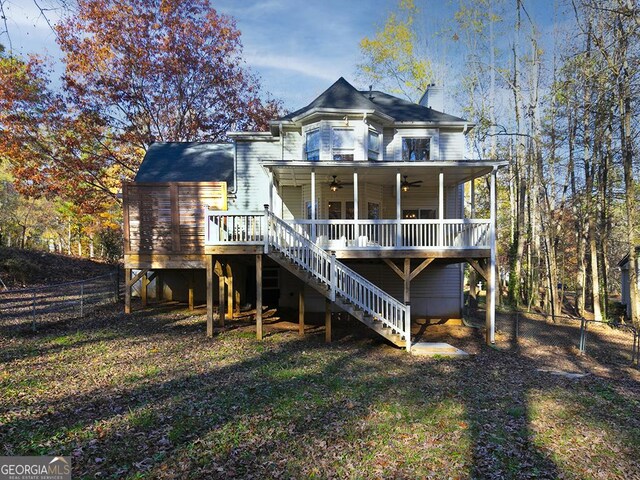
<point x="337" y="277"/>
<point x="397" y="234"/>
<point x="225" y="228"/>
<point x="292" y="243"/>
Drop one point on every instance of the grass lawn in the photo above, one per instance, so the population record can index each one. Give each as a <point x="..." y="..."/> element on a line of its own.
<point x="148" y="396"/>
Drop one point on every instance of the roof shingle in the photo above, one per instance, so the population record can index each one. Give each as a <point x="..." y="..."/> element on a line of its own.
<point x="187" y="162"/>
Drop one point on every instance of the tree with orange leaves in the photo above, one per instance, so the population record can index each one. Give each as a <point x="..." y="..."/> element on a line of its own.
<point x="136" y="71"/>
<point x="160" y="70"/>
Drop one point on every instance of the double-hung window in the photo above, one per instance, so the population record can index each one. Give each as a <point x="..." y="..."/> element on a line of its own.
<point x="373" y="142"/>
<point x="343" y="144"/>
<point x="312" y="147"/>
<point x="415" y="149"/>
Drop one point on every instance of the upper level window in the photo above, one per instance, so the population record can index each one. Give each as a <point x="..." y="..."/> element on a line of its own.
<point x="313" y="145"/>
<point x="415" y="149"/>
<point x="374" y="145"/>
<point x="343" y="144"/>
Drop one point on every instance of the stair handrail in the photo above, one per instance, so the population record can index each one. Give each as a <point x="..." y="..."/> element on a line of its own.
<point x="338" y="277"/>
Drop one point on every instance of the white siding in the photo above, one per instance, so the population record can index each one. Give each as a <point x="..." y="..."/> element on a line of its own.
<point x="292" y="205"/>
<point x="435" y="293"/>
<point x="293" y="146"/>
<point x="451" y="146"/>
<point x="253" y="182"/>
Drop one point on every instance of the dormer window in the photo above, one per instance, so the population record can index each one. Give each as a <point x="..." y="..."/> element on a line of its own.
<point x="343" y="144"/>
<point x="312" y="148"/>
<point x="415" y="149"/>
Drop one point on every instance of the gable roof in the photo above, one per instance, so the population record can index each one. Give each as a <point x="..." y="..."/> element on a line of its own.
<point x="187" y="162"/>
<point x="344" y="96"/>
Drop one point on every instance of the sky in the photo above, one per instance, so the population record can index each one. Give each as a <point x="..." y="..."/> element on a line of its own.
<point x="298" y="48"/>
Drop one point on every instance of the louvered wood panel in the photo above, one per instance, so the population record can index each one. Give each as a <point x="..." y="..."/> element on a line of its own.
<point x="169" y="217"/>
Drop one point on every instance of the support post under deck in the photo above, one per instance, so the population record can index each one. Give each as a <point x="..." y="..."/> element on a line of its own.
<point x="209" y="262"/>
<point x="327" y="320"/>
<point x="301" y="311"/>
<point x="491" y="281"/>
<point x="191" y="290"/>
<point x="259" y="296"/>
<point x="127" y="291"/>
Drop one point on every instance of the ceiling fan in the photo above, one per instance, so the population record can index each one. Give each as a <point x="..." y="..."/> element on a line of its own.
<point x="336" y="184"/>
<point x="405" y="185"/>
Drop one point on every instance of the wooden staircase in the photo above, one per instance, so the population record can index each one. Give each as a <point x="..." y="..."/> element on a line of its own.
<point x="346" y="288"/>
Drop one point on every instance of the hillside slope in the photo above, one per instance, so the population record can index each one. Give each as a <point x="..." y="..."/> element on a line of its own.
<point x="22" y="268"/>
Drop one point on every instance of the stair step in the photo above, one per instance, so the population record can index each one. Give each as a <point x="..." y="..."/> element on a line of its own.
<point x="286" y="258"/>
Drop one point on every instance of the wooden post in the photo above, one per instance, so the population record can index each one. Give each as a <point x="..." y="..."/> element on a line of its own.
<point x="301" y="311"/>
<point x="144" y="283"/>
<point x="159" y="286"/>
<point x="491" y="281"/>
<point x="327" y="320"/>
<point x="127" y="291"/>
<point x="259" y="296"/>
<point x="209" y="262"/>
<point x="407" y="280"/>
<point x="221" y="299"/>
<point x="129" y="282"/>
<point x="191" y="287"/>
<point x="229" y="283"/>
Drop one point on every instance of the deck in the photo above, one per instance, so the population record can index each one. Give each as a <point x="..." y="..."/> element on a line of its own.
<point x="385" y="238"/>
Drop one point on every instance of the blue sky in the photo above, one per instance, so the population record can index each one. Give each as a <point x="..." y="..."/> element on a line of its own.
<point x="298" y="48"/>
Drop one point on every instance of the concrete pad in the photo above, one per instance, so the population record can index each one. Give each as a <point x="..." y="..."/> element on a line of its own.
<point x="570" y="375"/>
<point x="432" y="349"/>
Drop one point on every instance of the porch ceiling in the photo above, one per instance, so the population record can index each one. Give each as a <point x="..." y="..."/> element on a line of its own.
<point x="380" y="173"/>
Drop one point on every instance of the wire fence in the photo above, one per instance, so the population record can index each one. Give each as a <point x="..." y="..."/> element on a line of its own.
<point x="35" y="308"/>
<point x="616" y="343"/>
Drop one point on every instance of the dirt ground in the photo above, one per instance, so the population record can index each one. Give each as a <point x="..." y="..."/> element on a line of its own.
<point x="148" y="395"/>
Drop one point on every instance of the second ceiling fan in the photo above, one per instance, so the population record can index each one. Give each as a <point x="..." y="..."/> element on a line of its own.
<point x="336" y="184"/>
<point x="406" y="184"/>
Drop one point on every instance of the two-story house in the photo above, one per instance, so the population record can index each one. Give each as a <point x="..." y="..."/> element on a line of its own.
<point x="355" y="202"/>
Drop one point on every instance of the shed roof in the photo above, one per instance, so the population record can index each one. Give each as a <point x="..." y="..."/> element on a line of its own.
<point x="344" y="96"/>
<point x="187" y="162"/>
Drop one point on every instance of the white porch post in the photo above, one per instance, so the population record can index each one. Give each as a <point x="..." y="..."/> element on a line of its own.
<point x="271" y="191"/>
<point x="491" y="281"/>
<point x="473" y="198"/>
<point x="441" y="208"/>
<point x="398" y="210"/>
<point x="313" y="205"/>
<point x="356" y="230"/>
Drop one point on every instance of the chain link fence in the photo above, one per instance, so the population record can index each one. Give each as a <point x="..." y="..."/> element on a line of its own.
<point x="35" y="308"/>
<point x="615" y="343"/>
